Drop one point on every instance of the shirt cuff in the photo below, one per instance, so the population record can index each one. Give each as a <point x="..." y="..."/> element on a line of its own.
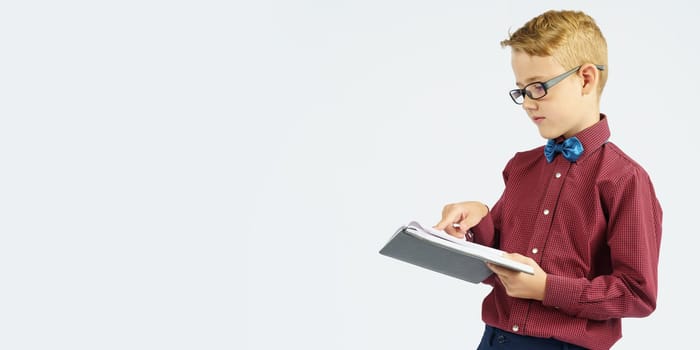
<point x="484" y="231"/>
<point x="562" y="292"/>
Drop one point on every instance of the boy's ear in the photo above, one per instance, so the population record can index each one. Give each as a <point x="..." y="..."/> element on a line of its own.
<point x="589" y="75"/>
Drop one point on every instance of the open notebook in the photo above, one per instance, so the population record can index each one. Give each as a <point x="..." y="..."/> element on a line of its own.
<point x="438" y="251"/>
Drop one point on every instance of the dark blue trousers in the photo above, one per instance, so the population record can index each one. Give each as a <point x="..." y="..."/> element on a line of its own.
<point x="496" y="339"/>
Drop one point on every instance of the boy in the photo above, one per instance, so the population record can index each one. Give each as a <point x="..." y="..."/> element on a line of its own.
<point x="578" y="210"/>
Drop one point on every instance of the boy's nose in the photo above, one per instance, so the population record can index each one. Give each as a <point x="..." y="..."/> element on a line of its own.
<point x="529" y="104"/>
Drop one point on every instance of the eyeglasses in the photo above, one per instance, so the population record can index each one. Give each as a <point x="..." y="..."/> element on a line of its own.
<point x="537" y="90"/>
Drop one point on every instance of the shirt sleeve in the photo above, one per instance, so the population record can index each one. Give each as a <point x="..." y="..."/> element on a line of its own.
<point x="633" y="237"/>
<point x="486" y="231"/>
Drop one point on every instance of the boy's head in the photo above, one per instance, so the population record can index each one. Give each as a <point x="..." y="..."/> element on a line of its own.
<point x="547" y="46"/>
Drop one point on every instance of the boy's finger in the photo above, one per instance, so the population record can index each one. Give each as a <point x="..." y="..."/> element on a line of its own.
<point x="467" y="223"/>
<point x="499" y="270"/>
<point x="455" y="232"/>
<point x="441" y="225"/>
<point x="446" y="222"/>
<point x="492" y="267"/>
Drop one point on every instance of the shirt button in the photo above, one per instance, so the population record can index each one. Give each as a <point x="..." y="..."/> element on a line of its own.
<point x="546" y="212"/>
<point x="515" y="328"/>
<point x="534" y="250"/>
<point x="557" y="175"/>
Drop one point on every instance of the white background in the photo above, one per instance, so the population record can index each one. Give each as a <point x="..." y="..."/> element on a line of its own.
<point x="221" y="175"/>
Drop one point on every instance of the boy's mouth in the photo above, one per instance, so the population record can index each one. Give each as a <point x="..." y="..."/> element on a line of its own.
<point x="537" y="119"/>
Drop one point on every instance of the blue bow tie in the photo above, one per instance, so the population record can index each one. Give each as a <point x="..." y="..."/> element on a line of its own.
<point x="571" y="149"/>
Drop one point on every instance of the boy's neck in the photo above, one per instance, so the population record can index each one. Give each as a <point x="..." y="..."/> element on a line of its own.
<point x="590" y="119"/>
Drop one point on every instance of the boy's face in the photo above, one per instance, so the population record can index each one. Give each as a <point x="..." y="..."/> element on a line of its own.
<point x="565" y="109"/>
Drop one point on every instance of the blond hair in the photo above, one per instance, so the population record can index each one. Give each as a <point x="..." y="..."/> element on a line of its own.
<point x="571" y="37"/>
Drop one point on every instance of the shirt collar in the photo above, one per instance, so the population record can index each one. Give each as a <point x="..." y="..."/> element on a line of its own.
<point x="592" y="137"/>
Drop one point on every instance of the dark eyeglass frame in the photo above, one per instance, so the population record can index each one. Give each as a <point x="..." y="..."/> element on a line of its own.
<point x="515" y="94"/>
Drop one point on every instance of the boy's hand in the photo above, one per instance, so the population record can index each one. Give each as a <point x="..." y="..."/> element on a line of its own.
<point x="465" y="214"/>
<point x="519" y="284"/>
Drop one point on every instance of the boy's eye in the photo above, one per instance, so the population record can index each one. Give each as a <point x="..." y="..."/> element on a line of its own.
<point x="536" y="90"/>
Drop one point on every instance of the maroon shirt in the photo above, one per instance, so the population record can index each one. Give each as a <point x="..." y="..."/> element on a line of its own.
<point x="594" y="226"/>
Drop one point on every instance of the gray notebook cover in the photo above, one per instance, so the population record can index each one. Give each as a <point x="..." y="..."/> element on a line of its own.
<point x="466" y="261"/>
<point x="424" y="253"/>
